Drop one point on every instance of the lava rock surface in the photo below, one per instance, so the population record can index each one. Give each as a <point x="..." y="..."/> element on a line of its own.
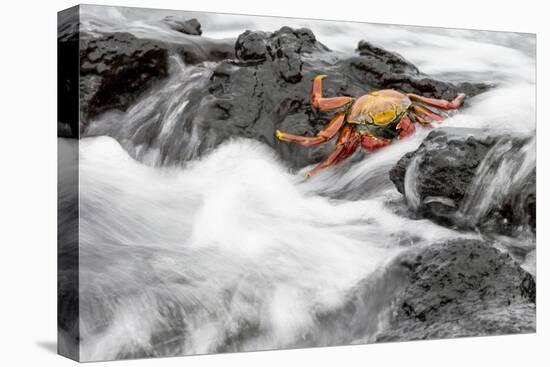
<point x="116" y="68"/>
<point x="446" y="186"/>
<point x="186" y="26"/>
<point x="67" y="75"/>
<point x="462" y="288"/>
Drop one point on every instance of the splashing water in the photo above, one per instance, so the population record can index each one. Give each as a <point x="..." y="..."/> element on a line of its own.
<point x="148" y="129"/>
<point x="229" y="242"/>
<point x="503" y="171"/>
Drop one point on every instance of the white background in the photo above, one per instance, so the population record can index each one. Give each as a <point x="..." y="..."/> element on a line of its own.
<point x="28" y="183"/>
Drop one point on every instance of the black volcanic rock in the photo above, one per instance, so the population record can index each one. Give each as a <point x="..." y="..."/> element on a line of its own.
<point x="450" y="159"/>
<point x="251" y="46"/>
<point x="462" y="288"/>
<point x="284" y="43"/>
<point x="188" y="26"/>
<point x="283" y="48"/>
<point x="453" y="167"/>
<point x="379" y="66"/>
<point x="116" y="68"/>
<point x="396" y="63"/>
<point x="67" y="74"/>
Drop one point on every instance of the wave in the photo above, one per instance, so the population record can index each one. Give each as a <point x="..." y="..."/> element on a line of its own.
<point x="228" y="241"/>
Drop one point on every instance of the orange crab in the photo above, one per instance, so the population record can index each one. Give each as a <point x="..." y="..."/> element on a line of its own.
<point x="372" y="120"/>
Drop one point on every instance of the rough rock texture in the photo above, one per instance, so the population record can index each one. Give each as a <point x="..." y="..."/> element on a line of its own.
<point x="446" y="183"/>
<point x="463" y="288"/>
<point x="283" y="48"/>
<point x="189" y="26"/>
<point x="377" y="66"/>
<point x="448" y="161"/>
<point x="67" y="74"/>
<point x="116" y="68"/>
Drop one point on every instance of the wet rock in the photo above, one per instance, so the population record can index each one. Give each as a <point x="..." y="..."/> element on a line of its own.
<point x="468" y="178"/>
<point x="189" y="26"/>
<point x="251" y="46"/>
<point x="462" y="288"/>
<point x="286" y="42"/>
<point x="116" y="68"/>
<point x="396" y="63"/>
<point x="67" y="74"/>
<point x="283" y="48"/>
<point x="378" y="66"/>
<point x="450" y="158"/>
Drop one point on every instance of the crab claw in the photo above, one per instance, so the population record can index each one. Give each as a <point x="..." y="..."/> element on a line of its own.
<point x="459" y="100"/>
<point x="439" y="103"/>
<point x="302" y="140"/>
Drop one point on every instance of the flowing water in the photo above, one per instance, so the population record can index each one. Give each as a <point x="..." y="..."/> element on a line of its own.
<point x="233" y="251"/>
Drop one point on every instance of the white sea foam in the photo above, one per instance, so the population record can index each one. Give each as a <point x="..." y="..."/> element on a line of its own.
<point x="233" y="217"/>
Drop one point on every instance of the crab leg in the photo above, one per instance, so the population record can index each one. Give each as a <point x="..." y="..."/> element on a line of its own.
<point x="351" y="145"/>
<point x="422" y="121"/>
<point x="439" y="103"/>
<point x="345" y="146"/>
<point x="405" y="126"/>
<point x="372" y="143"/>
<point x="332" y="158"/>
<point x="325" y="104"/>
<point x="322" y="136"/>
<point x="424" y="111"/>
